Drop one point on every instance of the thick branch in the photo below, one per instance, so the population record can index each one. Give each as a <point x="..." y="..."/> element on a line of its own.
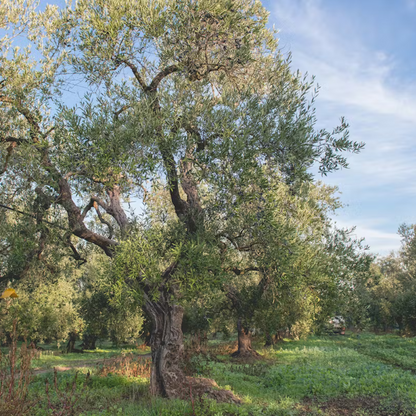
<point x="156" y="80"/>
<point x="76" y="223"/>
<point x="136" y="73"/>
<point x="61" y="185"/>
<point x="99" y="201"/>
<point x="160" y="76"/>
<point x="115" y="209"/>
<point x="87" y="209"/>
<point x="200" y="143"/>
<point x="169" y="271"/>
<point x="11" y="139"/>
<point x="173" y="183"/>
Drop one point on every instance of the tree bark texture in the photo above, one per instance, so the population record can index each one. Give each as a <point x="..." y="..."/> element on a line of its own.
<point x="71" y="343"/>
<point x="244" y="342"/>
<point x="167" y="378"/>
<point x="274" y="339"/>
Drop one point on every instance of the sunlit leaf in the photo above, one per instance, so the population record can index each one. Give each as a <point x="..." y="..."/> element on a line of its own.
<point x="9" y="293"/>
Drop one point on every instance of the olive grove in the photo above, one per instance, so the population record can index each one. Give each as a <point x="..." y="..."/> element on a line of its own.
<point x="188" y="97"/>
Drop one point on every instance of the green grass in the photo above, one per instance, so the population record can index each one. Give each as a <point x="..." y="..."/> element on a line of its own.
<point x="99" y="354"/>
<point x="366" y="374"/>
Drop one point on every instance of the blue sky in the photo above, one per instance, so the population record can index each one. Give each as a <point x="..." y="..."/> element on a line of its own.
<point x="363" y="54"/>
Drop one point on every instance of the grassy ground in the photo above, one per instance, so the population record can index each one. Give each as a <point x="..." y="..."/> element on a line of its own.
<point x="340" y="375"/>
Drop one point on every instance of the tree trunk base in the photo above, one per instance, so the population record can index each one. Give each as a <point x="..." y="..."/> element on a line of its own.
<point x="244" y="343"/>
<point x="245" y="354"/>
<point x="167" y="378"/>
<point x="274" y="339"/>
<point x="198" y="387"/>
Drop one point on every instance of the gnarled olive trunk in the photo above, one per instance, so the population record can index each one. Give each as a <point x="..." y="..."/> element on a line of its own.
<point x="269" y="339"/>
<point x="167" y="377"/>
<point x="244" y="341"/>
<point x="71" y="342"/>
<point x="274" y="339"/>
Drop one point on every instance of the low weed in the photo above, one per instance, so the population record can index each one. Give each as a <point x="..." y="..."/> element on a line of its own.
<point x="355" y="375"/>
<point x="15" y="377"/>
<point x="65" y="401"/>
<point x="127" y="366"/>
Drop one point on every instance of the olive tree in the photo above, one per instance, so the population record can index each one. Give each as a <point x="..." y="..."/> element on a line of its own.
<point x="108" y="310"/>
<point x="192" y="95"/>
<point x="297" y="263"/>
<point x="44" y="312"/>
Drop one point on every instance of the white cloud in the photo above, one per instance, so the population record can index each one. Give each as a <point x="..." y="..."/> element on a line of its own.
<point x="364" y="85"/>
<point x="350" y="73"/>
<point x="380" y="242"/>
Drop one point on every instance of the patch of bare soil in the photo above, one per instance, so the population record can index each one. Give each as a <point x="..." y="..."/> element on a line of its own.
<point x="75" y="365"/>
<point x="371" y="406"/>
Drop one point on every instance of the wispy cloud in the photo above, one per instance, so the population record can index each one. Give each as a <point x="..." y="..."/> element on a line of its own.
<point x="350" y="73"/>
<point x="366" y="86"/>
<point x="380" y="242"/>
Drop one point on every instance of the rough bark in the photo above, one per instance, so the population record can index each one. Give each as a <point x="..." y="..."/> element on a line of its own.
<point x="273" y="339"/>
<point x="167" y="377"/>
<point x="116" y="210"/>
<point x="269" y="340"/>
<point x="71" y="343"/>
<point x="244" y="342"/>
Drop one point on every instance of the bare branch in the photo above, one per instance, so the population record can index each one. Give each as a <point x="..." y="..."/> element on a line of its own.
<point x="121" y="110"/>
<point x="87" y="209"/>
<point x="136" y="73"/>
<point x="248" y="247"/>
<point x="99" y="202"/>
<point x="32" y="216"/>
<point x="145" y="192"/>
<point x="48" y="132"/>
<point x="110" y="228"/>
<point x="75" y="253"/>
